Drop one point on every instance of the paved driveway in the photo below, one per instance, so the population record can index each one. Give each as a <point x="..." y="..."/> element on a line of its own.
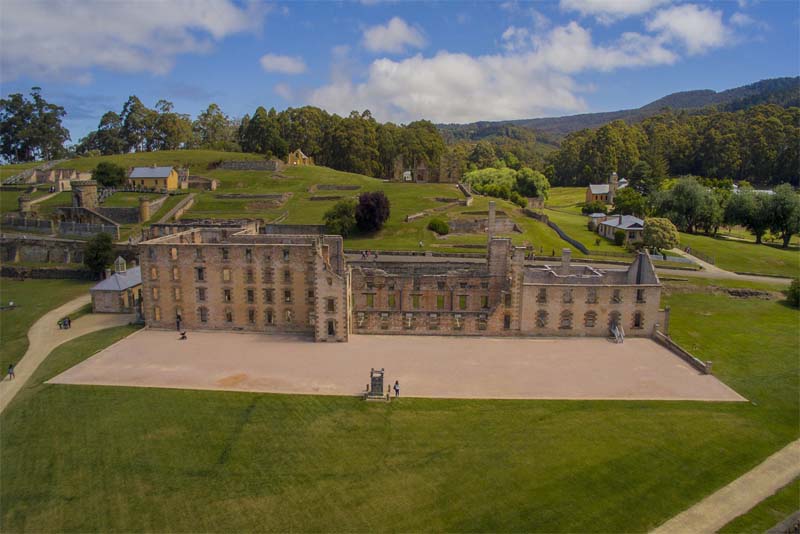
<point x="449" y="367"/>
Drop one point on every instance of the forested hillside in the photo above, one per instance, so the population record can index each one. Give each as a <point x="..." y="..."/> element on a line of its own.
<point x="760" y="145"/>
<point x="781" y="91"/>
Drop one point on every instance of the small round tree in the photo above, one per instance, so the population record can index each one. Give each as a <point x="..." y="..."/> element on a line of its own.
<point x="660" y="234"/>
<point x="98" y="253"/>
<point x="619" y="237"/>
<point x="793" y="293"/>
<point x="372" y="211"/>
<point x="341" y="218"/>
<point x="109" y="174"/>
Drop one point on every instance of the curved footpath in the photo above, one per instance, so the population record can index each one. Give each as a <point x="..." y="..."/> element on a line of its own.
<point x="45" y="335"/>
<point x="738" y="497"/>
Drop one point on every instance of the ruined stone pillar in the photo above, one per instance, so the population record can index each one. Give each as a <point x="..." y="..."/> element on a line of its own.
<point x="566" y="260"/>
<point x="490" y="229"/>
<point x="666" y="321"/>
<point x="144" y="209"/>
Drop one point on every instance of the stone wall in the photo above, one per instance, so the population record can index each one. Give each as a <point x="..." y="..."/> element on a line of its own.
<point x="265" y="165"/>
<point x="27" y="224"/>
<point x="17" y="271"/>
<point x="87" y="229"/>
<point x="120" y="215"/>
<point x="255" y="282"/>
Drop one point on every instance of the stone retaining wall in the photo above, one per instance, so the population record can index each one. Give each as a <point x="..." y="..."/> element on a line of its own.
<point x="703" y="367"/>
<point x="39" y="273"/>
<point x="87" y="229"/>
<point x="266" y="165"/>
<point x="25" y="224"/>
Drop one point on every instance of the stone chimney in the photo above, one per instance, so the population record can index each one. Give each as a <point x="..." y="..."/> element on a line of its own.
<point x="566" y="257"/>
<point x="490" y="229"/>
<point x="108" y="273"/>
<point x="613" y="183"/>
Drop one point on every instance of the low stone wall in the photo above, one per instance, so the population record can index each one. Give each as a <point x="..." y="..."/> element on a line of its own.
<point x="120" y="215"/>
<point x="465" y="190"/>
<point x="334" y="187"/>
<point x="294" y="229"/>
<point x="40" y="273"/>
<point x="266" y="165"/>
<point x="180" y="208"/>
<point x="415" y="216"/>
<point x="25" y="224"/>
<point x="87" y="229"/>
<point x="327" y="197"/>
<point x="703" y="367"/>
<point x="545" y="219"/>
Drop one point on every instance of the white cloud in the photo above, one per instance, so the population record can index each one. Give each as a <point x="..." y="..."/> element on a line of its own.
<point x="516" y="38"/>
<point x="452" y="87"/>
<point x="282" y="64"/>
<point x="283" y="90"/>
<point x="608" y="11"/>
<point x="698" y="29"/>
<point x="742" y="20"/>
<point x="393" y="37"/>
<point x="66" y="40"/>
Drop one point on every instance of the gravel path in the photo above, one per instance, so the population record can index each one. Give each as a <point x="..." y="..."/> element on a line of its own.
<point x="738" y="497"/>
<point x="45" y="335"/>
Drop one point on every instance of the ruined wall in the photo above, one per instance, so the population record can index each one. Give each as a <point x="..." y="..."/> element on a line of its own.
<point x="87" y="229"/>
<point x="247" y="286"/>
<point x="267" y="165"/>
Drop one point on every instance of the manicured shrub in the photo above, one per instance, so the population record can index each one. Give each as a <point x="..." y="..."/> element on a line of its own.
<point x="341" y="218"/>
<point x="619" y="237"/>
<point x="594" y="206"/>
<point x="793" y="293"/>
<point x="439" y="226"/>
<point x="372" y="211"/>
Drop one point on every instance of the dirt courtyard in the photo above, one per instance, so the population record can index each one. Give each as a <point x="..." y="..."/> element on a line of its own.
<point x="448" y="367"/>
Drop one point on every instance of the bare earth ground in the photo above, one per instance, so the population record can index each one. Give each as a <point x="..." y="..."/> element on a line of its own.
<point x="448" y="367"/>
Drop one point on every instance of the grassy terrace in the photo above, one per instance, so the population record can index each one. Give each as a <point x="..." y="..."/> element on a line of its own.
<point x="8" y="199"/>
<point x="171" y="460"/>
<point x="33" y="299"/>
<point x="741" y="256"/>
<point x="7" y="171"/>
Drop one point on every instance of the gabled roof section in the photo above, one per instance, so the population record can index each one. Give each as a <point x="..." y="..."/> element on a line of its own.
<point x="626" y="222"/>
<point x="641" y="271"/>
<point x="151" y="172"/>
<point x="121" y="281"/>
<point x="598" y="189"/>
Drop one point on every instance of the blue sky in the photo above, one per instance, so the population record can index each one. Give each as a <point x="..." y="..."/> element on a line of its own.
<point x="445" y="61"/>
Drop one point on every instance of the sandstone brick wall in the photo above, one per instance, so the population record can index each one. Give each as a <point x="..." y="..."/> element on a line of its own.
<point x="248" y="283"/>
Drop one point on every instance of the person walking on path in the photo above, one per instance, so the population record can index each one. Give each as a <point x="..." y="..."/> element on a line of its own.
<point x="396" y="388"/>
<point x="11" y="374"/>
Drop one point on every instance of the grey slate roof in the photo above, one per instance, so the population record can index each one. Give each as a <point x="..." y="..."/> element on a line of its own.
<point x="121" y="281"/>
<point x="602" y="189"/>
<point x="629" y="222"/>
<point x="599" y="189"/>
<point x="150" y="172"/>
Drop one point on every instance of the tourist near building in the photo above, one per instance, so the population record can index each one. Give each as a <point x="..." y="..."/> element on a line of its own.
<point x="290" y="281"/>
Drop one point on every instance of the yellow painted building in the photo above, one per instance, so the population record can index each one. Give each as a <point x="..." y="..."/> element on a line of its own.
<point x="154" y="178"/>
<point x="298" y="158"/>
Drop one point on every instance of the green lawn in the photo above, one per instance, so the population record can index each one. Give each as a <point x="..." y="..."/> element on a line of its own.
<point x="196" y="160"/>
<point x="76" y="458"/>
<point x="128" y="200"/>
<point x="7" y="171"/>
<point x="33" y="299"/>
<point x="768" y="513"/>
<point x="566" y="197"/>
<point x="8" y="199"/>
<point x="740" y="256"/>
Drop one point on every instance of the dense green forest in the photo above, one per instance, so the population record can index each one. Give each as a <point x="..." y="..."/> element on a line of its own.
<point x="759" y="144"/>
<point x="740" y="137"/>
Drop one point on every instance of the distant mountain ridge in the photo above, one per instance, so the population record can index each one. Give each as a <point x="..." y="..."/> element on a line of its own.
<point x="781" y="91"/>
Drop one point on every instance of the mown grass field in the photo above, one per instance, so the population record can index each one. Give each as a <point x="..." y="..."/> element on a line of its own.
<point x="9" y="199"/>
<point x="768" y="513"/>
<point x="128" y="459"/>
<point x="741" y="256"/>
<point x="33" y="298"/>
<point x="7" y="171"/>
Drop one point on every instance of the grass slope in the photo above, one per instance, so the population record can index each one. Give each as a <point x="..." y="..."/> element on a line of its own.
<point x="33" y="298"/>
<point x="741" y="256"/>
<point x="130" y="459"/>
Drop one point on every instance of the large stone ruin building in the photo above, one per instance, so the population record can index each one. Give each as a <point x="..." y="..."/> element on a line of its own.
<point x="246" y="279"/>
<point x="239" y="279"/>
